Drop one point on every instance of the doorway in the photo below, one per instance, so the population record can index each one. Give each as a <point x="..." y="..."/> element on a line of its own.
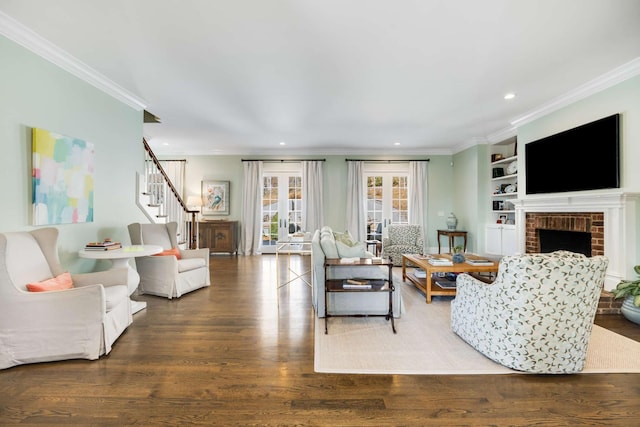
<point x="281" y="207"/>
<point x="386" y="201"/>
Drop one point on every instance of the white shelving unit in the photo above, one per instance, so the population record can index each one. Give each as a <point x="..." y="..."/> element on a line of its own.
<point x="501" y="231"/>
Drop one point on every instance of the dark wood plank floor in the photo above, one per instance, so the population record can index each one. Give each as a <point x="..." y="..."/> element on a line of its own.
<point x="227" y="356"/>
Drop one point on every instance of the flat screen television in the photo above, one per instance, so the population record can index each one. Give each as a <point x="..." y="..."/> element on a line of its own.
<point x="583" y="158"/>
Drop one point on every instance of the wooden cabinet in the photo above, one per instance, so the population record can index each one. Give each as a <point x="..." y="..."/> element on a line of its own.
<point x="501" y="239"/>
<point x="219" y="236"/>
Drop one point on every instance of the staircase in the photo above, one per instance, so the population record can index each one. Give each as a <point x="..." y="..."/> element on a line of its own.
<point x="161" y="202"/>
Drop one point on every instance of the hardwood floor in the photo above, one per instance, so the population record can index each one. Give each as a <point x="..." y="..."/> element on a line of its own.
<point x="226" y="355"/>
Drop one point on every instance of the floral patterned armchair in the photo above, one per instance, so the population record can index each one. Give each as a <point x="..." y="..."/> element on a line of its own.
<point x="538" y="314"/>
<point x="402" y="239"/>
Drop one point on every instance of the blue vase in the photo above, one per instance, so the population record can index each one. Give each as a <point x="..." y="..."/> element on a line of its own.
<point x="457" y="258"/>
<point x="630" y="311"/>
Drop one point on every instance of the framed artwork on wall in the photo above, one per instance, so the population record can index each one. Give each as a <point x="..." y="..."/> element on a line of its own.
<point x="62" y="176"/>
<point x="215" y="196"/>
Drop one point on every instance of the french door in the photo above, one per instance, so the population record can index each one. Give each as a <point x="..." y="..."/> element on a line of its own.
<point x="386" y="202"/>
<point x="281" y="208"/>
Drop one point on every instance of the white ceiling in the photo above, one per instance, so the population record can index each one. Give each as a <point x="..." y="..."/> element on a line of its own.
<point x="338" y="76"/>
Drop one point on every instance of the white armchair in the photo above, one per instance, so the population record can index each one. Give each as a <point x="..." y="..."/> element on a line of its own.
<point x="402" y="239"/>
<point x="168" y="276"/>
<point x="538" y="314"/>
<point x="78" y="323"/>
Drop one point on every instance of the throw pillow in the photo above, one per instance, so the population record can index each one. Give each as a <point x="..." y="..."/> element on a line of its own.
<point x="173" y="251"/>
<point x="58" y="283"/>
<point x="328" y="244"/>
<point x="345" y="238"/>
<point x="355" y="251"/>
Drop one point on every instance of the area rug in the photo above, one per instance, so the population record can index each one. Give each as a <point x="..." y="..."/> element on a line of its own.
<point x="425" y="345"/>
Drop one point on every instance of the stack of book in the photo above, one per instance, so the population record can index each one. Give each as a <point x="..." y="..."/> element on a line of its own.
<point x="363" y="283"/>
<point x="420" y="273"/>
<point x="356" y="284"/>
<point x="479" y="262"/>
<point x="107" y="245"/>
<point x="439" y="262"/>
<point x="445" y="283"/>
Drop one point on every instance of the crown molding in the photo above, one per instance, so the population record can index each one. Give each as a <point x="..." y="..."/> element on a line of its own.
<point x="472" y="142"/>
<point x="174" y="151"/>
<point x="27" y="38"/>
<point x="605" y="81"/>
<point x="502" y="134"/>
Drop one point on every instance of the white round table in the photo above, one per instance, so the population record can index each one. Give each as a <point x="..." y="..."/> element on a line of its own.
<point x="120" y="259"/>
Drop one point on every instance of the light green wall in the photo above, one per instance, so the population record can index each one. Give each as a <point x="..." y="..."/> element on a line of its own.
<point x="36" y="93"/>
<point x="622" y="98"/>
<point x="229" y="168"/>
<point x="471" y="199"/>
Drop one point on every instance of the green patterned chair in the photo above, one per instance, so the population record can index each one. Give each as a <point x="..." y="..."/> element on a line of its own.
<point x="402" y="239"/>
<point x="537" y="315"/>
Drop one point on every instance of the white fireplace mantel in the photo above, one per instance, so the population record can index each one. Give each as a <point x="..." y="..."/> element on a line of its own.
<point x="620" y="224"/>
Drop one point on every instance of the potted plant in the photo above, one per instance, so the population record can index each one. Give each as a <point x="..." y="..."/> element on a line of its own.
<point x="457" y="257"/>
<point x="630" y="291"/>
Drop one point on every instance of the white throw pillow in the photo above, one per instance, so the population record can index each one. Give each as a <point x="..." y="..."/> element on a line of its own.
<point x="345" y="238"/>
<point x="346" y="251"/>
<point x="328" y="244"/>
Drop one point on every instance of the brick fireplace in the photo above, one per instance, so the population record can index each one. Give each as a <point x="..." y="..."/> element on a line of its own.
<point x="579" y="222"/>
<point x="611" y="217"/>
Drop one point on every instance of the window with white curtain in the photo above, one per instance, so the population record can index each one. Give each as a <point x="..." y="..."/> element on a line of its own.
<point x="386" y="198"/>
<point x="281" y="203"/>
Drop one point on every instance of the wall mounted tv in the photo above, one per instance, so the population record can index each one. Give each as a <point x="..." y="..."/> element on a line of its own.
<point x="583" y="158"/>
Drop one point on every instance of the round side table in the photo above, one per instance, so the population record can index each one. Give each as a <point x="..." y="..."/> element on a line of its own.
<point x="120" y="259"/>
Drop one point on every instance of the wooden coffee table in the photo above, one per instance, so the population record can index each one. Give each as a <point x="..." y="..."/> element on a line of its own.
<point x="426" y="285"/>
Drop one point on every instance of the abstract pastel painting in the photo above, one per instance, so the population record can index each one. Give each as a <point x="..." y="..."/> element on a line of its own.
<point x="62" y="179"/>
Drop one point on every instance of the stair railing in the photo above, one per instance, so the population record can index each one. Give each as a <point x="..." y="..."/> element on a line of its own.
<point x="164" y="196"/>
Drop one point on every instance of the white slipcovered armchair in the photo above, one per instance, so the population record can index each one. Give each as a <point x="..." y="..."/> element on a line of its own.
<point x="402" y="239"/>
<point x="78" y="323"/>
<point x="168" y="276"/>
<point x="538" y="314"/>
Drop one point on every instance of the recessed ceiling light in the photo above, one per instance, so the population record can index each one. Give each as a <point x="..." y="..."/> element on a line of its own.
<point x="165" y="143"/>
<point x="510" y="95"/>
<point x="396" y="143"/>
<point x="283" y="143"/>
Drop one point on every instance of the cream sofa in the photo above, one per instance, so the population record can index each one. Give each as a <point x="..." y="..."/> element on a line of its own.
<point x="324" y="245"/>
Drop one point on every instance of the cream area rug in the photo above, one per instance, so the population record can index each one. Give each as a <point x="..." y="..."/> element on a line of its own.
<point x="426" y="345"/>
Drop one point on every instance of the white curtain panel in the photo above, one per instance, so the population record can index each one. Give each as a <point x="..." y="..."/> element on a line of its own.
<point x="250" y="234"/>
<point x="312" y="195"/>
<point x="418" y="198"/>
<point x="356" y="223"/>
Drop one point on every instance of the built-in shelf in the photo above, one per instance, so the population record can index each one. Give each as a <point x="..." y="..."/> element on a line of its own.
<point x="503" y="161"/>
<point x="500" y="231"/>
<point x="506" y="177"/>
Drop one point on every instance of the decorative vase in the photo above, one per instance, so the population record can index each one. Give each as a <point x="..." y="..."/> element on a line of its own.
<point x="452" y="221"/>
<point x="630" y="311"/>
<point x="457" y="258"/>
